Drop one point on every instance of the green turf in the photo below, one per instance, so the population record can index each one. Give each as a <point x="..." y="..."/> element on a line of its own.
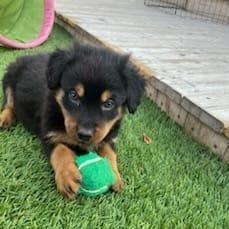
<point x="171" y="183"/>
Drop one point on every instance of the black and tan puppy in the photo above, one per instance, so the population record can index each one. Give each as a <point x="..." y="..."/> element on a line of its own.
<point x="73" y="100"/>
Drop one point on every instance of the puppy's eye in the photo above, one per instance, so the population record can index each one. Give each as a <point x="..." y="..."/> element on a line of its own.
<point x="74" y="97"/>
<point x="108" y="105"/>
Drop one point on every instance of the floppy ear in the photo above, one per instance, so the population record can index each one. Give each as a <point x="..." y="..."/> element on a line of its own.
<point x="134" y="83"/>
<point x="56" y="65"/>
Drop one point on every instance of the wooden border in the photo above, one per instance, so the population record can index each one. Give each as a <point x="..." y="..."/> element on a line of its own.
<point x="217" y="142"/>
<point x="194" y="120"/>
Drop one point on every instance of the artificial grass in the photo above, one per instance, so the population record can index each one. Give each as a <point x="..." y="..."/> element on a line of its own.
<point x="171" y="183"/>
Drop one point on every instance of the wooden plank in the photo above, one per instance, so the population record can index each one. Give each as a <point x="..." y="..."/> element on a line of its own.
<point x="192" y="126"/>
<point x="208" y="99"/>
<point x="173" y="95"/>
<point x="216" y="142"/>
<point x="151" y="92"/>
<point x="226" y="131"/>
<point x="202" y="115"/>
<point x="177" y="113"/>
<point x="226" y="155"/>
<point x="162" y="101"/>
<point x="205" y="135"/>
<point x="76" y="31"/>
<point x="184" y="70"/>
<point x="191" y="107"/>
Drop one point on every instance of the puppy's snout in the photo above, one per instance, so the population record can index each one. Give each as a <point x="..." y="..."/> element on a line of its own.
<point x="85" y="134"/>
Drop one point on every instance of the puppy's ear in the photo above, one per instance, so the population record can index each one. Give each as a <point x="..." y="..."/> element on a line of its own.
<point x="56" y="65"/>
<point x="134" y="83"/>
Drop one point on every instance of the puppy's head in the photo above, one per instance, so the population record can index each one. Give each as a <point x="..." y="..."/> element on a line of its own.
<point x="93" y="86"/>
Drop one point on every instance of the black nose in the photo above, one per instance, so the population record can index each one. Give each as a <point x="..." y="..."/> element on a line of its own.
<point x="84" y="134"/>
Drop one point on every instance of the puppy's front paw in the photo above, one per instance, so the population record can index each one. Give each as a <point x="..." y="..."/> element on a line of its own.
<point x="68" y="180"/>
<point x="118" y="186"/>
<point x="7" y="118"/>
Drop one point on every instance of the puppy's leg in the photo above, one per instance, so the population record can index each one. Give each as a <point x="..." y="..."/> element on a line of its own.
<point x="7" y="117"/>
<point x="67" y="175"/>
<point x="105" y="150"/>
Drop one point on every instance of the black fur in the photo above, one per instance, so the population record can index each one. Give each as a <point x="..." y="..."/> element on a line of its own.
<point x="35" y="80"/>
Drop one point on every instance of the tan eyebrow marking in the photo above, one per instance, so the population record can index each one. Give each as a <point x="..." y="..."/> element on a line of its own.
<point x="79" y="88"/>
<point x="105" y="96"/>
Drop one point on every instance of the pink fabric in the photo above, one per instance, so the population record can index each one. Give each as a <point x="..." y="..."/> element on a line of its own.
<point x="49" y="16"/>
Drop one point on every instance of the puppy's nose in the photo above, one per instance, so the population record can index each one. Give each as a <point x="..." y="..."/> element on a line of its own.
<point x="85" y="134"/>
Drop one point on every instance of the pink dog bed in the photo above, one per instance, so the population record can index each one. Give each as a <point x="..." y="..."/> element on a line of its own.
<point x="46" y="28"/>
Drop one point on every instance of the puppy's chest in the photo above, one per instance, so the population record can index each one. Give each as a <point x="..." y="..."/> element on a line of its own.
<point x="78" y="150"/>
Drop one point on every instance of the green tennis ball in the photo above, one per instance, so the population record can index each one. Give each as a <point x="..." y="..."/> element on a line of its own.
<point x="97" y="174"/>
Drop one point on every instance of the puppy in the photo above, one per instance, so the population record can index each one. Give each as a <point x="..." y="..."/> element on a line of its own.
<point x="73" y="100"/>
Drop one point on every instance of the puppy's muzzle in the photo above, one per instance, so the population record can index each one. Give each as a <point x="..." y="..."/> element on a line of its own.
<point x="85" y="134"/>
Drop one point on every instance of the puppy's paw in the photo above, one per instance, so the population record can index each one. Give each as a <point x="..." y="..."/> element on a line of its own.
<point x="118" y="186"/>
<point x="68" y="180"/>
<point x="7" y="118"/>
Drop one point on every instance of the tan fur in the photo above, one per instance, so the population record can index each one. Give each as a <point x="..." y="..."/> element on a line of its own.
<point x="9" y="98"/>
<point x="100" y="133"/>
<point x="67" y="175"/>
<point x="105" y="150"/>
<point x="105" y="96"/>
<point x="104" y="128"/>
<point x="7" y="117"/>
<point x="69" y="122"/>
<point x="79" y="88"/>
<point x="60" y="137"/>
